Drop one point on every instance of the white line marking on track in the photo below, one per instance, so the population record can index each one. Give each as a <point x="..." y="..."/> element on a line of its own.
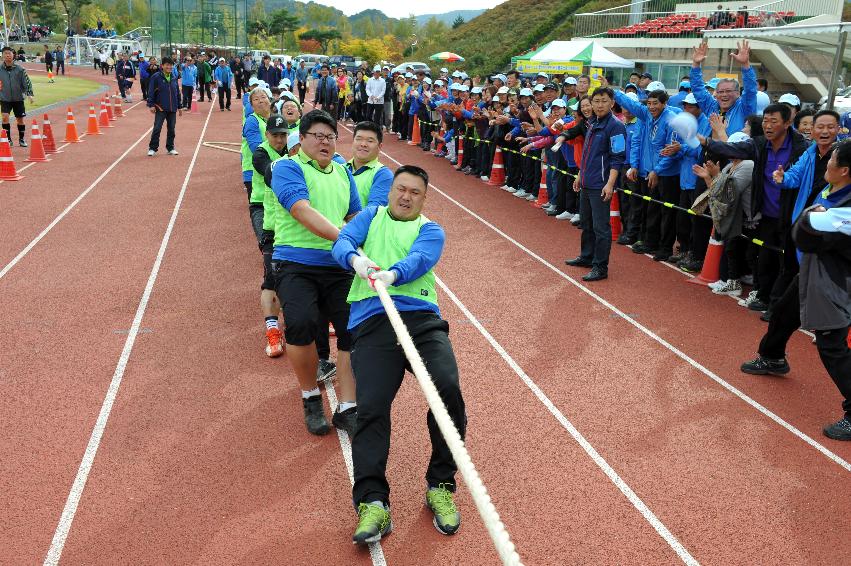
<point x="613" y="476"/>
<point x="69" y="208"/>
<point x="76" y="493"/>
<point x="673" y="349"/>
<point x="375" y="550"/>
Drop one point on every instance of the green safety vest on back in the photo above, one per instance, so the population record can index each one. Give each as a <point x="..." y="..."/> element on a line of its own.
<point x="329" y="192"/>
<point x="258" y="184"/>
<point x="389" y="241"/>
<point x="363" y="180"/>
<point x="247" y="155"/>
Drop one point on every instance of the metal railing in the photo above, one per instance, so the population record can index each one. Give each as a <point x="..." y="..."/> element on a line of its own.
<point x="685" y="23"/>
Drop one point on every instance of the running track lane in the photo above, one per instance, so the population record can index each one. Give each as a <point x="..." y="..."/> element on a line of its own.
<point x="626" y="386"/>
<point x="220" y="469"/>
<point x="66" y="309"/>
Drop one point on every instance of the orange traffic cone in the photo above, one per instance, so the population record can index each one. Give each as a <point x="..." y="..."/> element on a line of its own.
<point x="711" y="263"/>
<point x="460" y="153"/>
<point x="615" y="216"/>
<point x="71" y="128"/>
<point x="107" y="102"/>
<point x="36" y="145"/>
<point x="93" y="129"/>
<point x="497" y="170"/>
<point x="50" y="77"/>
<point x="103" y="117"/>
<point x="543" y="197"/>
<point x="116" y="106"/>
<point x="194" y="108"/>
<point x="416" y="139"/>
<point x="7" y="162"/>
<point x="47" y="135"/>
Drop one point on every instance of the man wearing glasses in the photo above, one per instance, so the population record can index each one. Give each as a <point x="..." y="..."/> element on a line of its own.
<point x="318" y="195"/>
<point x="726" y="102"/>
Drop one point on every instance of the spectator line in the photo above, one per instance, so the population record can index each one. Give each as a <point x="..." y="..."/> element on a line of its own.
<point x="673" y="349"/>
<point x="79" y="484"/>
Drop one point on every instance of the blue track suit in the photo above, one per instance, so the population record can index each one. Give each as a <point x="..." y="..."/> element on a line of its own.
<point x="739" y="111"/>
<point x="603" y="151"/>
<point x="223" y="77"/>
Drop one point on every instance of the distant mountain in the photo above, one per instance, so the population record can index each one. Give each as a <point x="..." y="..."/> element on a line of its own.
<point x="449" y="17"/>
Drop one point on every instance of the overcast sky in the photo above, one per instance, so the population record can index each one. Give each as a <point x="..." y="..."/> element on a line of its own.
<point x="397" y="9"/>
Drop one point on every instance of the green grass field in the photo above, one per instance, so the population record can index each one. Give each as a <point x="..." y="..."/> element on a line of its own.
<point x="64" y="88"/>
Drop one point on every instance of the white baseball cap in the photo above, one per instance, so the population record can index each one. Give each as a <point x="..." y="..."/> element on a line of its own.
<point x="526" y="92"/>
<point x="444" y="70"/>
<point x="409" y="75"/>
<point x="502" y="77"/>
<point x="292" y="140"/>
<point x="495" y="99"/>
<point x="253" y="81"/>
<point x="376" y="69"/>
<point x="438" y="82"/>
<point x="542" y="74"/>
<point x="789" y="99"/>
<point x="463" y="88"/>
<point x="502" y="90"/>
<point x="690" y="99"/>
<point x="570" y="81"/>
<point x="464" y="76"/>
<point x="655" y="85"/>
<point x="736" y="137"/>
<point x="476" y="90"/>
<point x="427" y="81"/>
<point x="538" y="88"/>
<point x="285" y="82"/>
<point x="456" y="74"/>
<point x="560" y="103"/>
<point x="455" y="86"/>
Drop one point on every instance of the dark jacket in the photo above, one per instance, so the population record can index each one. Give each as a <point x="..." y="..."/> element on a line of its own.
<point x="163" y="94"/>
<point x="825" y="277"/>
<point x="329" y="93"/>
<point x="124" y="69"/>
<point x="14" y="83"/>
<point x="604" y="149"/>
<point x="271" y="75"/>
<point x="756" y="149"/>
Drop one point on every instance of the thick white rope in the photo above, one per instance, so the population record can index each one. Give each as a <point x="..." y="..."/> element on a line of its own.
<point x="490" y="516"/>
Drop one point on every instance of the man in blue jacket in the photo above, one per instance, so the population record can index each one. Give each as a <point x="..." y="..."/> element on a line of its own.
<point x="223" y="77"/>
<point x="603" y="155"/>
<point x="164" y="102"/>
<point x="726" y="100"/>
<point x="663" y="172"/>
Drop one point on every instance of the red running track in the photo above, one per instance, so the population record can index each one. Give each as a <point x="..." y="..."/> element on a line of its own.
<point x="204" y="458"/>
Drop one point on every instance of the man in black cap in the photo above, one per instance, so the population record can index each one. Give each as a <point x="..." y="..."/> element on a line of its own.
<point x="644" y="79"/>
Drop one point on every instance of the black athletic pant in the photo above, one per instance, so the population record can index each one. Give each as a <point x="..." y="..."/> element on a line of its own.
<point x="237" y="82"/>
<point x="302" y="92"/>
<point x="788" y="269"/>
<point x="187" y="96"/>
<point x="669" y="191"/>
<point x="530" y="171"/>
<point x="768" y="261"/>
<point x="170" y="118"/>
<point x="202" y="89"/>
<point x="684" y="221"/>
<point x="379" y="366"/>
<point x="832" y="344"/>
<point x="638" y="212"/>
<point x="224" y="93"/>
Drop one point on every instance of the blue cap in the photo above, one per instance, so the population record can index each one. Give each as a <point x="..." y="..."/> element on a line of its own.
<point x="713" y="83"/>
<point x="628" y="85"/>
<point x="685" y="84"/>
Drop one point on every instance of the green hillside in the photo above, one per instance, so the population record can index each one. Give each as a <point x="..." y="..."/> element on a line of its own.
<point x="514" y="27"/>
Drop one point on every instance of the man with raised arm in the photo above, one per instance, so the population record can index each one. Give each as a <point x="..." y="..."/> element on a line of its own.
<point x="734" y="109"/>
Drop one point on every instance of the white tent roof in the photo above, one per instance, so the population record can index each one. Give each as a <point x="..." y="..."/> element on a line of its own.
<point x="586" y="51"/>
<point x="821" y="36"/>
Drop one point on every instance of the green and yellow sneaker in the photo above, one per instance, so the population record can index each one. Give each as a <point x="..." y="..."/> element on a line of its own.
<point x="373" y="523"/>
<point x="447" y="519"/>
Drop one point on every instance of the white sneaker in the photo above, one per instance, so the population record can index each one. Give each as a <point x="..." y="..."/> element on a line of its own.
<point x="575" y="218"/>
<point x="521" y="193"/>
<point x="748" y="300"/>
<point x="564" y="216"/>
<point x="485" y="178"/>
<point x="151" y="153"/>
<point x="508" y="189"/>
<point x="716" y="285"/>
<point x="173" y="152"/>
<point x="531" y="198"/>
<point x="732" y="288"/>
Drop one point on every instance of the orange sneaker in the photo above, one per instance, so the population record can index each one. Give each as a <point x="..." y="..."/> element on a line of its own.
<point x="275" y="347"/>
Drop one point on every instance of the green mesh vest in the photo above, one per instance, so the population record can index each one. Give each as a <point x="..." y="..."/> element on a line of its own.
<point x="387" y="242"/>
<point x="364" y="180"/>
<point x="329" y="193"/>
<point x="258" y="184"/>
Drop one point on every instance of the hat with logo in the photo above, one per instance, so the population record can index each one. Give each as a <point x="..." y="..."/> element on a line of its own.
<point x="560" y="103"/>
<point x="655" y="85"/>
<point x="276" y="124"/>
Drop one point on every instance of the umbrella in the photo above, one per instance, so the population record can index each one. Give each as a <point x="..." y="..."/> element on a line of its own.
<point x="446" y="56"/>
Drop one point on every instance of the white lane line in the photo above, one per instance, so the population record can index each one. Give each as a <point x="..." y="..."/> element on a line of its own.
<point x="375" y="550"/>
<point x="673" y="349"/>
<point x="76" y="493"/>
<point x="70" y="207"/>
<point x="613" y="476"/>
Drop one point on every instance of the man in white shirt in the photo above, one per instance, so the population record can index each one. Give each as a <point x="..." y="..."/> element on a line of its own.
<point x="375" y="87"/>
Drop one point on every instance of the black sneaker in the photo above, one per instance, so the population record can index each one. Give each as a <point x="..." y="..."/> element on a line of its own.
<point x="596" y="274"/>
<point x="758" y="305"/>
<point x="347" y="420"/>
<point x="840" y="430"/>
<point x="675" y="258"/>
<point x="625" y="240"/>
<point x="661" y="255"/>
<point x="326" y="370"/>
<point x="766" y="366"/>
<point x="314" y="416"/>
<point x="22" y="143"/>
<point x="691" y="265"/>
<point x="766" y="316"/>
<point x="642" y="248"/>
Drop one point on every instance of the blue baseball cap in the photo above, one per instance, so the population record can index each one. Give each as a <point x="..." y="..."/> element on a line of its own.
<point x="713" y="83"/>
<point x="685" y="84"/>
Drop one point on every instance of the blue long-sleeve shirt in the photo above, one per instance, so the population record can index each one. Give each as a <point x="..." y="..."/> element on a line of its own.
<point x="247" y="109"/>
<point x="251" y="133"/>
<point x="188" y="75"/>
<point x="800" y="177"/>
<point x="739" y="111"/>
<point x="289" y="186"/>
<point x="289" y="74"/>
<point x="223" y="75"/>
<point x="423" y="256"/>
<point x="657" y="134"/>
